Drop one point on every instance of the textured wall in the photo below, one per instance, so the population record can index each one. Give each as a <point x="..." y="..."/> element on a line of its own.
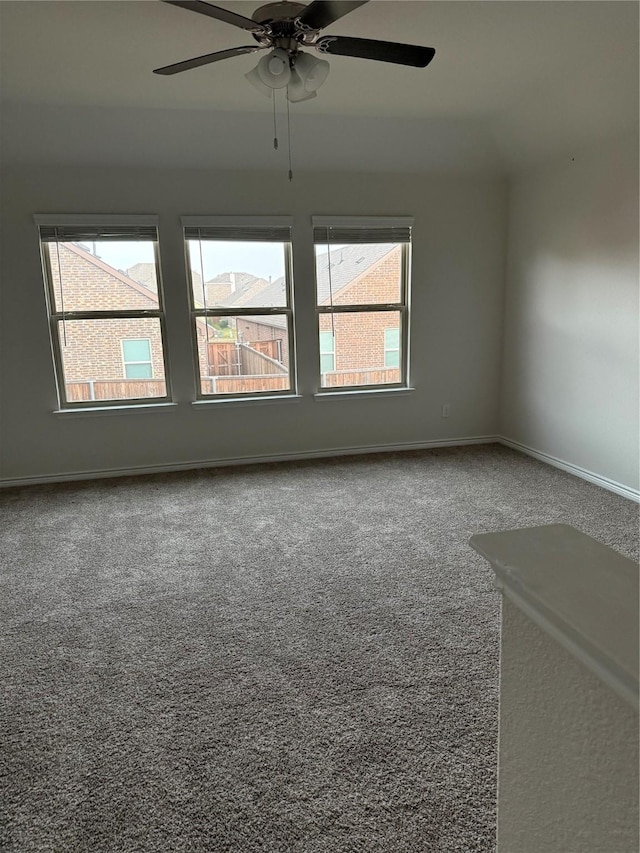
<point x="568" y="775"/>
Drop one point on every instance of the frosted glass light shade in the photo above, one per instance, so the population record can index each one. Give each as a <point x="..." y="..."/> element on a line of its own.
<point x="312" y="71"/>
<point x="296" y="89"/>
<point x="256" y="80"/>
<point x="274" y="70"/>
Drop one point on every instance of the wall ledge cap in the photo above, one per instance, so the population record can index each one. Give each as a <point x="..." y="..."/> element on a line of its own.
<point x="578" y="590"/>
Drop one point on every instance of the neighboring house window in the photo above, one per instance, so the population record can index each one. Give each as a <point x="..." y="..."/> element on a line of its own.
<point x="136" y="358"/>
<point x="392" y="347"/>
<point x="362" y="301"/>
<point x="327" y="352"/>
<point x="242" y="319"/>
<point x="105" y="309"/>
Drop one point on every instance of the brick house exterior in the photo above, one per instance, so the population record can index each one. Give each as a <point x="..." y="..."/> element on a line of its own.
<point x="92" y="350"/>
<point x="361" y="274"/>
<point x="360" y="337"/>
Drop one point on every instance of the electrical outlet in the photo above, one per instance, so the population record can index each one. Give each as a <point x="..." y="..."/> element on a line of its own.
<point x="445" y="410"/>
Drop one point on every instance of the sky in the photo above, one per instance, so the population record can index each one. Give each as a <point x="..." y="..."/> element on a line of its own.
<point x="259" y="259"/>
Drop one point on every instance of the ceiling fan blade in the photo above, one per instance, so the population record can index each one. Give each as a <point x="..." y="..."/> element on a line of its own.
<point x="321" y="13"/>
<point x="197" y="61"/>
<point x="220" y="14"/>
<point x="383" y="51"/>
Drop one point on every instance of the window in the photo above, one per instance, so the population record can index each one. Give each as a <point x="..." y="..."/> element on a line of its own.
<point x="327" y="352"/>
<point x="362" y="287"/>
<point x="392" y="347"/>
<point x="241" y="307"/>
<point x="136" y="357"/>
<point x="105" y="309"/>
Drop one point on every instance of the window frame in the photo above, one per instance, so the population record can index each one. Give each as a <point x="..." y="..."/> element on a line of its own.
<point x="236" y="227"/>
<point x="369" y="225"/>
<point x="128" y="226"/>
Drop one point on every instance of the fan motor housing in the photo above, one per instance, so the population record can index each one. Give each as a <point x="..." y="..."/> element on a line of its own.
<point x="285" y="30"/>
<point x="275" y="12"/>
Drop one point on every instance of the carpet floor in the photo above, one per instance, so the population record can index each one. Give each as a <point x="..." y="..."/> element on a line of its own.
<point x="285" y="658"/>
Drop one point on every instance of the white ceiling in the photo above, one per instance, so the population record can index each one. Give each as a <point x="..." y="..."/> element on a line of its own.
<point x="512" y="80"/>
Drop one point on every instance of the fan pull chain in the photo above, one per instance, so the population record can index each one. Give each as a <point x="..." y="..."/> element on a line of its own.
<point x="275" y="132"/>
<point x="289" y="140"/>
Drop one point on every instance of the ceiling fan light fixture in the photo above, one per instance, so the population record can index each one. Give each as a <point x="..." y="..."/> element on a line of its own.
<point x="296" y="90"/>
<point x="274" y="70"/>
<point x="312" y="71"/>
<point x="256" y="80"/>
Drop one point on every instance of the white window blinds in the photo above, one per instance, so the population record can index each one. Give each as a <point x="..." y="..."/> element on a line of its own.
<point x="340" y="231"/>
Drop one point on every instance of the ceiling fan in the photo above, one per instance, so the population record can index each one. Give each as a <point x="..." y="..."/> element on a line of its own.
<point x="283" y="28"/>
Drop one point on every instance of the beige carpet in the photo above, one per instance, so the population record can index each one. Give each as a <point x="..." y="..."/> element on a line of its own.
<point x="293" y="658"/>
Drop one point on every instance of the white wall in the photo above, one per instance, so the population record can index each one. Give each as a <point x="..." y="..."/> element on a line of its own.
<point x="570" y="364"/>
<point x="84" y="135"/>
<point x="457" y="304"/>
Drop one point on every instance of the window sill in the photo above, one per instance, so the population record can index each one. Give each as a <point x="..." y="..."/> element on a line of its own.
<point x="203" y="405"/>
<point x="99" y="411"/>
<point x="355" y="394"/>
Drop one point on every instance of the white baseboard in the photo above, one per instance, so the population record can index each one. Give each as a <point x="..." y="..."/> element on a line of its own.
<point x="576" y="470"/>
<point x="247" y="460"/>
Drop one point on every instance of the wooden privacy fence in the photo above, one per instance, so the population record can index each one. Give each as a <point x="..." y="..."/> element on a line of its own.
<point x="256" y="363"/>
<point x="115" y="389"/>
<point x="230" y="358"/>
<point x="223" y="358"/>
<point x="255" y="384"/>
<point x="270" y="376"/>
<point x="269" y="348"/>
<point x="245" y="384"/>
<point x="371" y="376"/>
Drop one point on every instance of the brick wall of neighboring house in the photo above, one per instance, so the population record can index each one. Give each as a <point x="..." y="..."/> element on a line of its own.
<point x="380" y="283"/>
<point x="145" y="274"/>
<point x="359" y="337"/>
<point x="91" y="285"/>
<point x="202" y="337"/>
<point x="91" y="349"/>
